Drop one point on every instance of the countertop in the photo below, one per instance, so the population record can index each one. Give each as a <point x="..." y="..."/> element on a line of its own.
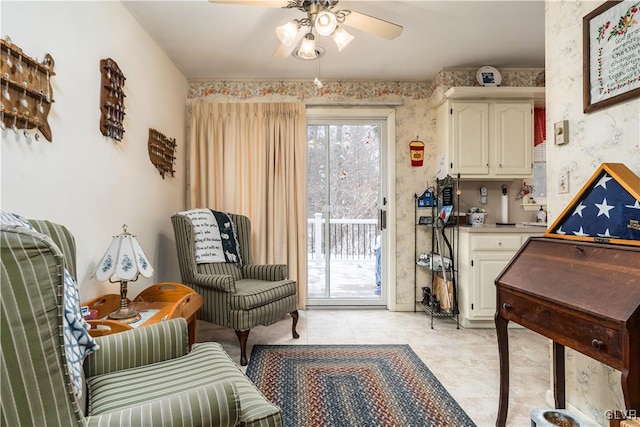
<point x="493" y="228"/>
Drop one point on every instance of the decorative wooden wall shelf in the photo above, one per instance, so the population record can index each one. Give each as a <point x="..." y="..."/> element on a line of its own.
<point x="111" y="99"/>
<point x="26" y="91"/>
<point x="162" y="152"/>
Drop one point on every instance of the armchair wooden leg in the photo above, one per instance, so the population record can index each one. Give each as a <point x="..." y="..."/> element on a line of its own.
<point x="294" y="315"/>
<point x="242" y="337"/>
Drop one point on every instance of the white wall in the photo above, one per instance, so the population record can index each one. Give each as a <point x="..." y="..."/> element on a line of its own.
<point x="82" y="179"/>
<point x="608" y="135"/>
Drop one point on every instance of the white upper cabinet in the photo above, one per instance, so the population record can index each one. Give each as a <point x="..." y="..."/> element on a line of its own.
<point x="485" y="139"/>
<point x="513" y="138"/>
<point x="469" y="148"/>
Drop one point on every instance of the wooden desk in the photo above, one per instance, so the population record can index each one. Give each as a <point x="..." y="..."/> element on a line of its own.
<point x="585" y="296"/>
<point x="172" y="300"/>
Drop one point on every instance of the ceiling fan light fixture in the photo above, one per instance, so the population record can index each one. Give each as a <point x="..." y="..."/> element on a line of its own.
<point x="308" y="47"/>
<point x="326" y="23"/>
<point x="342" y="38"/>
<point x="287" y="33"/>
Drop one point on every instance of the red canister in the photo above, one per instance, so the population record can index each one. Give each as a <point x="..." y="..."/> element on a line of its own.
<point x="416" y="148"/>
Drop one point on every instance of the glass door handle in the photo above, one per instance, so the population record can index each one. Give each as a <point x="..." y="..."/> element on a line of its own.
<point x="382" y="220"/>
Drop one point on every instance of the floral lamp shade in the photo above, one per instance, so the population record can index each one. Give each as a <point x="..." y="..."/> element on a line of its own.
<point x="124" y="260"/>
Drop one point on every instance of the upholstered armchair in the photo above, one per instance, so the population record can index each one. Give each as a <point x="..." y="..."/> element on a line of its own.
<point x="144" y="376"/>
<point x="236" y="296"/>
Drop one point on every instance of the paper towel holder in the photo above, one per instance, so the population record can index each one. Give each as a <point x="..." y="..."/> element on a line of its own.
<point x="505" y="209"/>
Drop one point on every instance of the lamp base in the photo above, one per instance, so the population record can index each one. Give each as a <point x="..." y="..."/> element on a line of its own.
<point x="125" y="315"/>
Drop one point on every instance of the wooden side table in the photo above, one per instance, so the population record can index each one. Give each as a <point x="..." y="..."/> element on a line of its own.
<point x="172" y="300"/>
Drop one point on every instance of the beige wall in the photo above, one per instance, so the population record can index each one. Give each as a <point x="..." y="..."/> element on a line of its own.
<point x="608" y="135"/>
<point x="82" y="179"/>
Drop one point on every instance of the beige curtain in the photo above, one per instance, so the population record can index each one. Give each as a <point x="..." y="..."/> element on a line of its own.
<point x="250" y="159"/>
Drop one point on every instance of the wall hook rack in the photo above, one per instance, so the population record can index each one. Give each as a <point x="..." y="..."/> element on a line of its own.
<point x="162" y="152"/>
<point x="27" y="95"/>
<point x="112" y="99"/>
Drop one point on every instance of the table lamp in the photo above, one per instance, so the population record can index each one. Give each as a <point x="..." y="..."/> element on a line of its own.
<point x="123" y="262"/>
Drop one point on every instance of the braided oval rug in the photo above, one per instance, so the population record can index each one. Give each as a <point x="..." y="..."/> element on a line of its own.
<point x="353" y="385"/>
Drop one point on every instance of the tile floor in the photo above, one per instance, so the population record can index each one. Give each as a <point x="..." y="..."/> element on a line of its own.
<point x="465" y="361"/>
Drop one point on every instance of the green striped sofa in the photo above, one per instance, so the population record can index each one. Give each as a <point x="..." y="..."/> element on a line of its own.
<point x="143" y="377"/>
<point x="236" y="297"/>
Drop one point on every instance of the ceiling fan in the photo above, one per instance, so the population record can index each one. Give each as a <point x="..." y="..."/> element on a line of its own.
<point x="322" y="18"/>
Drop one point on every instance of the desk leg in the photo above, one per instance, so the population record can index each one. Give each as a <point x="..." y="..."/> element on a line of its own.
<point x="558" y="375"/>
<point x="631" y="375"/>
<point x="503" y="352"/>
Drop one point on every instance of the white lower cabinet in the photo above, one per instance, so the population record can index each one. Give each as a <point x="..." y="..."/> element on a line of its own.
<point x="483" y="256"/>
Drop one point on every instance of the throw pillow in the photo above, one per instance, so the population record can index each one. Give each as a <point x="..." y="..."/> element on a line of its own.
<point x="78" y="344"/>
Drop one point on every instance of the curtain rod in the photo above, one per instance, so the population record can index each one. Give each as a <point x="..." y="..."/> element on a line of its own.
<point x="313" y="104"/>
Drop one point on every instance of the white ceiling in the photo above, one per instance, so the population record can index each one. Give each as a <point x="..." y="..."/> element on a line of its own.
<point x="235" y="41"/>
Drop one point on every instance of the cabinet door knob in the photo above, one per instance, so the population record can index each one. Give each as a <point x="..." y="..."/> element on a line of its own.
<point x="499" y="165"/>
<point x="597" y="344"/>
<point x="506" y="306"/>
<point x="499" y="243"/>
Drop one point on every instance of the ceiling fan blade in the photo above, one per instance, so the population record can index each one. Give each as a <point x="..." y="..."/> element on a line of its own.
<point x="379" y="27"/>
<point x="264" y="3"/>
<point x="285" y="51"/>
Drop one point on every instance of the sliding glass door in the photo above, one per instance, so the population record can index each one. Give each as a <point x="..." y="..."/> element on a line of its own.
<point x="345" y="211"/>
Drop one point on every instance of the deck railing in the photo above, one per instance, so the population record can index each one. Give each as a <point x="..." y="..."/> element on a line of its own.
<point x="350" y="239"/>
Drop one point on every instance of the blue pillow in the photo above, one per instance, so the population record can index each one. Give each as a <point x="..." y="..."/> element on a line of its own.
<point x="77" y="341"/>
